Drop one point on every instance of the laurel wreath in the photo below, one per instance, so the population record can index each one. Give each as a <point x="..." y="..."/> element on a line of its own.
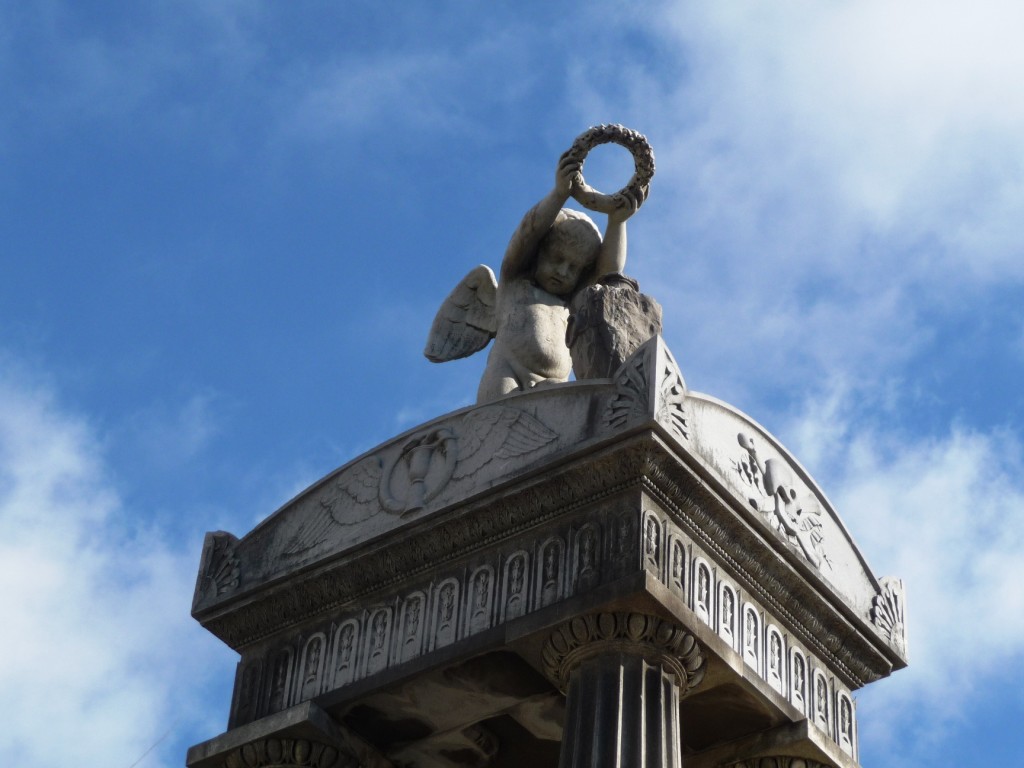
<point x="643" y="164"/>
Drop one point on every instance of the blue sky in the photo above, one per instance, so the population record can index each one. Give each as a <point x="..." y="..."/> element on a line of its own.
<point x="225" y="228"/>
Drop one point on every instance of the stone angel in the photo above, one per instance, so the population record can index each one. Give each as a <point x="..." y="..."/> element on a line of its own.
<point x="554" y="253"/>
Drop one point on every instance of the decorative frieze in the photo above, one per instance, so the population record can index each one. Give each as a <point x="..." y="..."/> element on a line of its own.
<point x="530" y="575"/>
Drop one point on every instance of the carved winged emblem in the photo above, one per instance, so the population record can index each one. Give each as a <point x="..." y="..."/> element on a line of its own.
<point x="349" y="499"/>
<point x="466" y="321"/>
<point x="497" y="433"/>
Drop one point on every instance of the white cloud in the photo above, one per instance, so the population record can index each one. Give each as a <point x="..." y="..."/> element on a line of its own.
<point x="828" y="174"/>
<point x="946" y="514"/>
<point x="100" y="655"/>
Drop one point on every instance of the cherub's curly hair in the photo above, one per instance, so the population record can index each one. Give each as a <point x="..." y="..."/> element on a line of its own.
<point x="575" y="229"/>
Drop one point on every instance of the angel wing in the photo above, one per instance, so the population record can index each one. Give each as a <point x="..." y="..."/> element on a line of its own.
<point x="498" y="433"/>
<point x="467" y="320"/>
<point x="346" y="501"/>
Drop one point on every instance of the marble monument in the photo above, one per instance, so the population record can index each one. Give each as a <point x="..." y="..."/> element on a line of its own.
<point x="611" y="571"/>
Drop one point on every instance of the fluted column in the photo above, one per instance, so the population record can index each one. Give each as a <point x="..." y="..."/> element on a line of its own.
<point x="622" y="674"/>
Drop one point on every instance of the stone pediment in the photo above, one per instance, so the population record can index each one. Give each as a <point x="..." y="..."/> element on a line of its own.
<point x="404" y="482"/>
<point x="418" y="484"/>
<point x="770" y="483"/>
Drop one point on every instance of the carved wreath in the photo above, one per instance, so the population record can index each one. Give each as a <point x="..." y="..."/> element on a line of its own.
<point x="643" y="163"/>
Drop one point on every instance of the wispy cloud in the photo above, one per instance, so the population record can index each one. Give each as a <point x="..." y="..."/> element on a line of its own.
<point x="97" y="638"/>
<point x="827" y="175"/>
<point x="946" y="514"/>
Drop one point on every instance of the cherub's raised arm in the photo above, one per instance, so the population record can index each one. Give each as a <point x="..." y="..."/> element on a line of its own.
<point x="538" y="220"/>
<point x="612" y="257"/>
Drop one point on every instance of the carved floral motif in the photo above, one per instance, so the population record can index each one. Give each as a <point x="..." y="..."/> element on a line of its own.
<point x="630" y="399"/>
<point x="649" y="384"/>
<point x="671" y="394"/>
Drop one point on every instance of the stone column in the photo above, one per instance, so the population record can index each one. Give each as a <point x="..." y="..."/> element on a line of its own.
<point x="622" y="674"/>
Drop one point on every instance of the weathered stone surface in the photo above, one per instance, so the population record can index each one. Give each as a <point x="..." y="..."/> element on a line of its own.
<point x="608" y="322"/>
<point x="471" y="539"/>
<point x="553" y="253"/>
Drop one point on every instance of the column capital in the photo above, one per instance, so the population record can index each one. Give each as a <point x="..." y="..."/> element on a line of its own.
<point x="274" y="752"/>
<point x="656" y="640"/>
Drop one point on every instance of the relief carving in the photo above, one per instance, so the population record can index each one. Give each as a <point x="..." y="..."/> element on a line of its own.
<point x="497" y="432"/>
<point x="777" y="499"/>
<point x="634" y="392"/>
<point x="671" y="394"/>
<point x="349" y="499"/>
<point x="312" y="662"/>
<point x="587" y="567"/>
<point x="377" y="641"/>
<point x="751" y="638"/>
<point x="887" y="613"/>
<point x="418" y="472"/>
<point x="652" y="543"/>
<point x="481" y="599"/>
<point x="821" y="703"/>
<point x="347" y="641"/>
<point x="279" y="694"/>
<point x="657" y="640"/>
<point x="702" y="592"/>
<point x="446" y="598"/>
<point x="677" y="574"/>
<point x="221" y="574"/>
<point x="798" y="693"/>
<point x="515" y="586"/>
<point x="550" y="572"/>
<point x="845" y="723"/>
<point x="286" y="753"/>
<point x="247" y="699"/>
<point x="727" y="615"/>
<point x="776" y="666"/>
<point x="631" y="399"/>
<point x="412" y="626"/>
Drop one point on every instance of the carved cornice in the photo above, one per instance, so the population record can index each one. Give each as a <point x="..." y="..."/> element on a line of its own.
<point x="657" y="640"/>
<point x="641" y="460"/>
<point x="794" y="600"/>
<point x="473" y="529"/>
<point x="288" y="753"/>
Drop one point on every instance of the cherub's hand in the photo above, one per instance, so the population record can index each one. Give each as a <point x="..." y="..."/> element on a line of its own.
<point x="568" y="175"/>
<point x="626" y="204"/>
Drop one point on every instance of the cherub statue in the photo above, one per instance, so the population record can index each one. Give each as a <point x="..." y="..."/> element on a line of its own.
<point x="553" y="253"/>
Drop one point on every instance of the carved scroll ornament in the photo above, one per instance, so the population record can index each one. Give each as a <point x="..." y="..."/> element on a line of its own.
<point x="658" y="641"/>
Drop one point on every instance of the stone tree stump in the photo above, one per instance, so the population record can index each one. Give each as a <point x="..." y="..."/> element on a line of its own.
<point x="608" y="322"/>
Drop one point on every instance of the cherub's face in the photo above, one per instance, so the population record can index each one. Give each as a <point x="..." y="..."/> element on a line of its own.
<point x="559" y="267"/>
